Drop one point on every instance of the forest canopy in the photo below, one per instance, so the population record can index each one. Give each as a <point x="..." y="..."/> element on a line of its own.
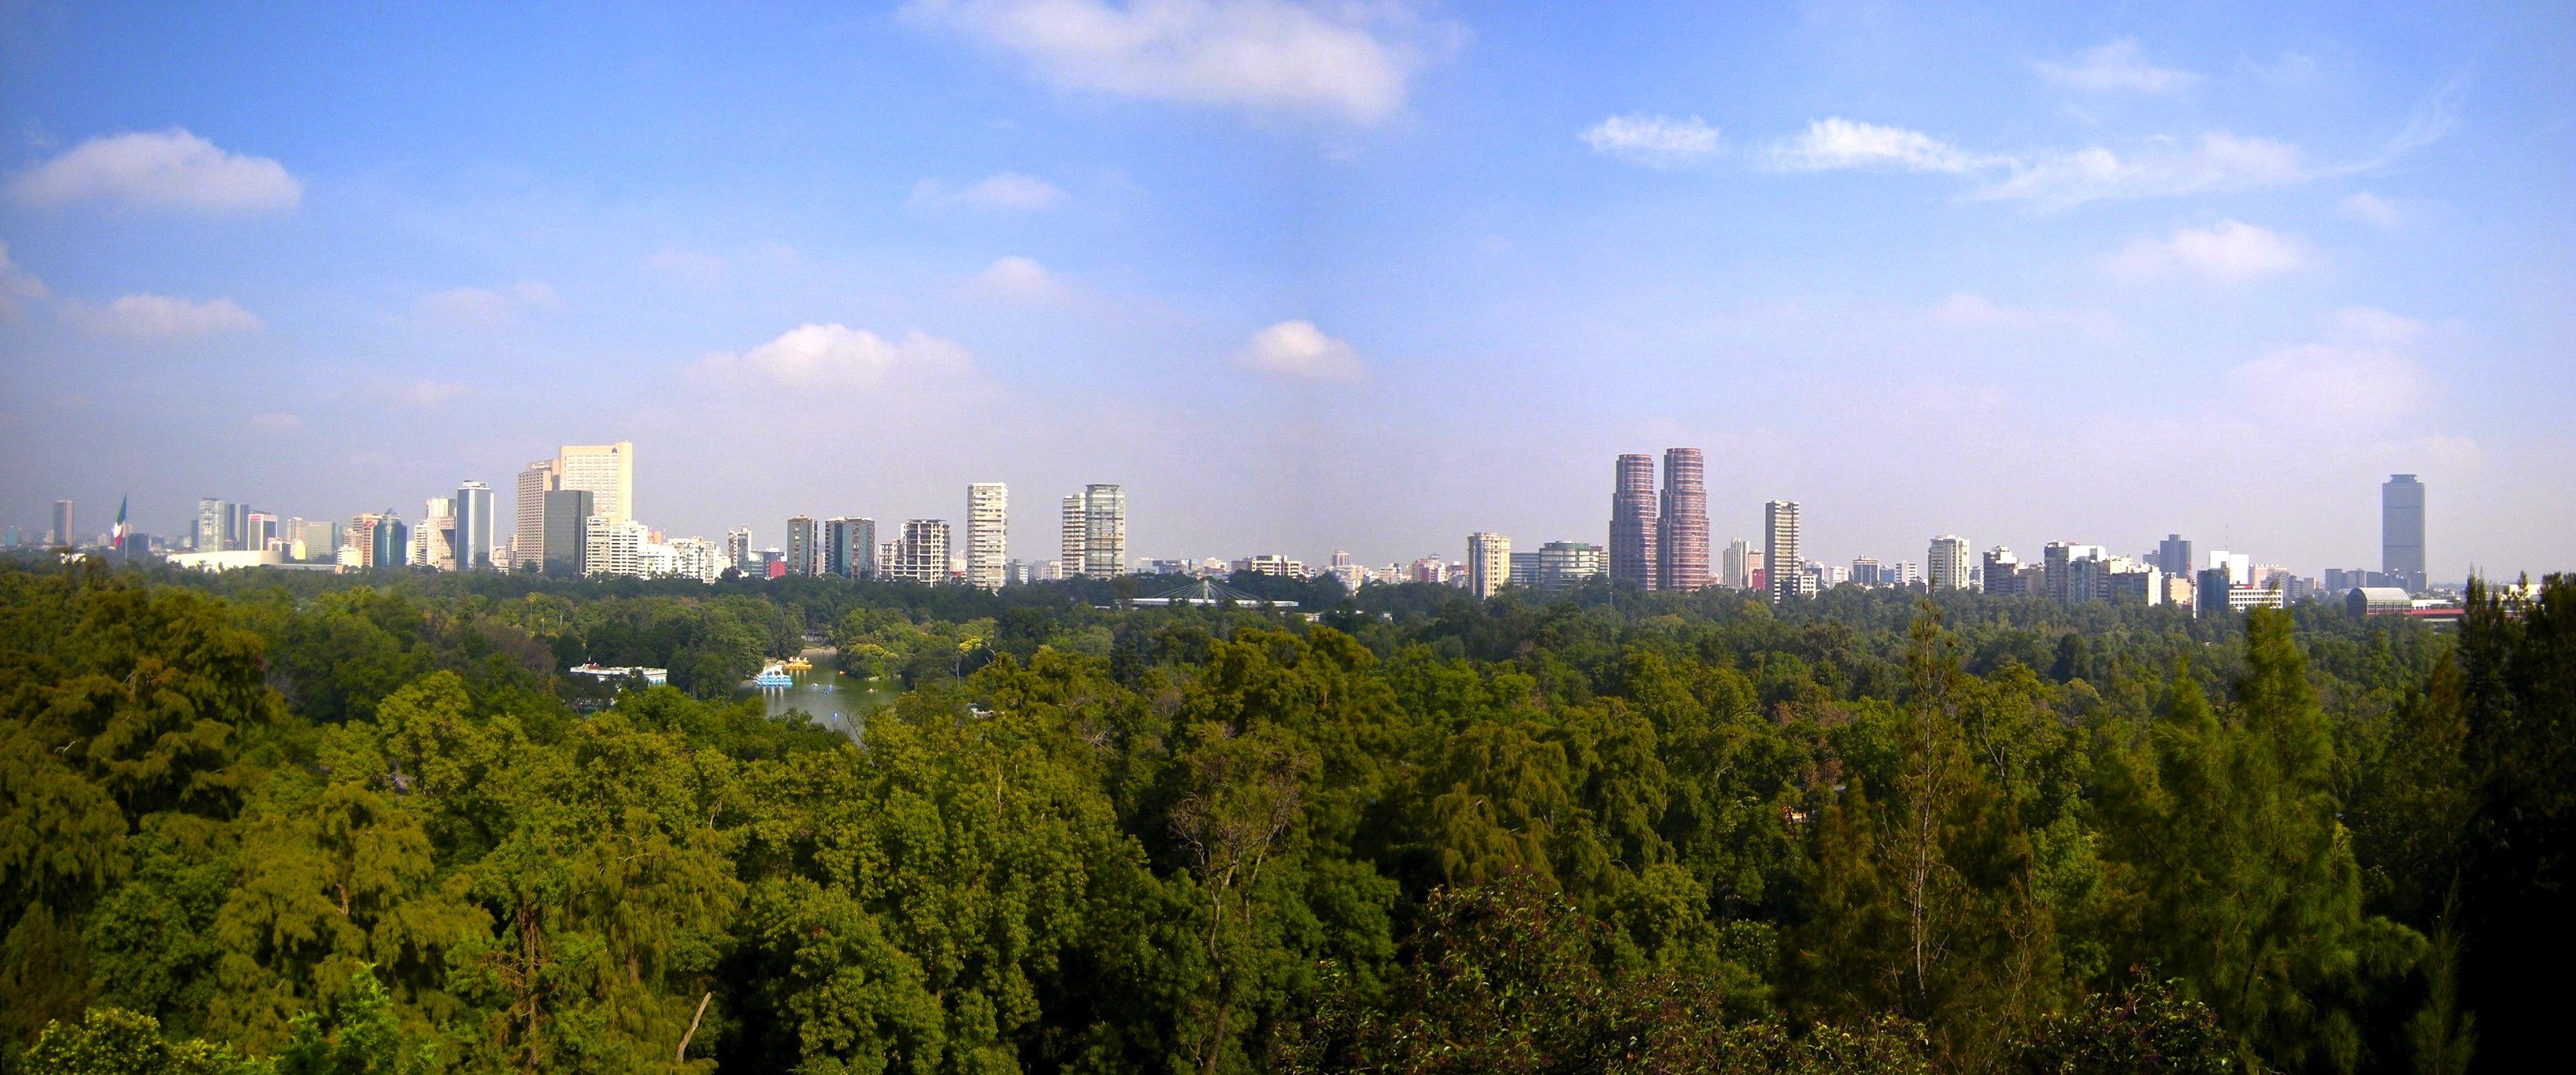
<point x="369" y="824"/>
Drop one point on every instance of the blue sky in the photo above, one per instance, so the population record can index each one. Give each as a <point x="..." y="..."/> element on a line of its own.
<point x="1304" y="277"/>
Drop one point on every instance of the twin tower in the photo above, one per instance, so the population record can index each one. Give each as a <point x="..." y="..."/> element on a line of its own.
<point x="1660" y="542"/>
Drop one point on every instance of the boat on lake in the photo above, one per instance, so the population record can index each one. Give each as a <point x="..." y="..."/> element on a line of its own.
<point x="773" y="674"/>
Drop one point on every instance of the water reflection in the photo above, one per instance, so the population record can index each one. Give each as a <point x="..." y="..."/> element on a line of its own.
<point x="836" y="701"/>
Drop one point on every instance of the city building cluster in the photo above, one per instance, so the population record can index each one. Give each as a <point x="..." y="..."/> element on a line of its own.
<point x="574" y="515"/>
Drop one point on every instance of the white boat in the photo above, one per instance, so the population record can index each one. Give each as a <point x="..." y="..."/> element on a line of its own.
<point x="773" y="674"/>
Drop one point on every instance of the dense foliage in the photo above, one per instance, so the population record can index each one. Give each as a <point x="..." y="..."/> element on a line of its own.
<point x="318" y="824"/>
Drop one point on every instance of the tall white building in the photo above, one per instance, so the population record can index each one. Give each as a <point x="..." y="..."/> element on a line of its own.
<point x="1076" y="524"/>
<point x="614" y="547"/>
<point x="694" y="558"/>
<point x="738" y="549"/>
<point x="606" y="471"/>
<point x="987" y="533"/>
<point x="528" y="543"/>
<point x="1949" y="562"/>
<point x="433" y="542"/>
<point x="1489" y="563"/>
<point x="1780" y="551"/>
<point x="921" y="555"/>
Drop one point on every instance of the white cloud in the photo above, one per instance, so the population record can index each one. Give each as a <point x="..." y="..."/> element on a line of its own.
<point x="485" y="307"/>
<point x="2371" y="326"/>
<point x="2371" y="209"/>
<point x="421" y="393"/>
<point x="1836" y="143"/>
<point x="836" y="356"/>
<point x="2116" y="66"/>
<point x="170" y="170"/>
<point x="693" y="266"/>
<point x="2158" y="168"/>
<point x="1001" y="192"/>
<point x="1653" y="141"/>
<point x="2229" y="251"/>
<point x="1344" y="60"/>
<point x="1020" y="279"/>
<point x="2162" y="168"/>
<point x="17" y="287"/>
<point x="274" y="422"/>
<point x="2336" y="382"/>
<point x="1299" y="350"/>
<point x="160" y="317"/>
<point x="1973" y="311"/>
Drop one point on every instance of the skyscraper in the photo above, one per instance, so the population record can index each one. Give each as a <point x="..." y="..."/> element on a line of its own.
<point x="391" y="540"/>
<point x="987" y="533"/>
<point x="1780" y="554"/>
<point x="1104" y="544"/>
<point x="474" y="527"/>
<point x="2173" y="555"/>
<point x="1681" y="540"/>
<point x="63" y="523"/>
<point x="804" y="546"/>
<point x="2002" y="572"/>
<point x="2401" y="529"/>
<point x="236" y="527"/>
<point x="1735" y="569"/>
<point x="849" y="547"/>
<point x="528" y="541"/>
<point x="1489" y="563"/>
<point x="1076" y="525"/>
<point x="606" y="471"/>
<point x="738" y="549"/>
<point x="433" y="544"/>
<point x="566" y="527"/>
<point x="209" y="535"/>
<point x="1949" y="562"/>
<point x="1633" y="531"/>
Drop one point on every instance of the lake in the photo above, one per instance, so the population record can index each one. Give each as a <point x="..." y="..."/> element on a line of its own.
<point x="837" y="701"/>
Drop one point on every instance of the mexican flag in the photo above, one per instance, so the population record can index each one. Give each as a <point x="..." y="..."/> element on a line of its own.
<point x="116" y="537"/>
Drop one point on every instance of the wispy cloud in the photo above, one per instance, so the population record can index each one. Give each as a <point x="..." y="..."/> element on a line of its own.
<point x="1837" y="143"/>
<point x="1300" y="351"/>
<point x="2371" y="209"/>
<point x="153" y="318"/>
<point x="1653" y="141"/>
<point x="2118" y="66"/>
<point x="169" y="171"/>
<point x="1973" y="311"/>
<point x="836" y="356"/>
<point x="1009" y="192"/>
<point x="420" y="394"/>
<point x="1019" y="279"/>
<point x="1350" y="61"/>
<point x="18" y="288"/>
<point x="2230" y="251"/>
<point x="484" y="307"/>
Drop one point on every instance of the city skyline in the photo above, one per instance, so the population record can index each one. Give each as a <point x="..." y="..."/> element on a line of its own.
<point x="2322" y="247"/>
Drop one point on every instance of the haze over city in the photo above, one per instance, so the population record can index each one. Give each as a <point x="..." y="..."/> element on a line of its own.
<point x="1309" y="278"/>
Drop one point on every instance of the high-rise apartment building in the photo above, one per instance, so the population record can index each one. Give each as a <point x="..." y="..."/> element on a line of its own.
<point x="849" y="547"/>
<point x="2002" y="572"/>
<point x="1095" y="532"/>
<point x="528" y="540"/>
<point x="804" y="546"/>
<point x="474" y="528"/>
<point x="1780" y="550"/>
<point x="1489" y="563"/>
<point x="566" y="529"/>
<point x="987" y="533"/>
<point x="1075" y="528"/>
<point x="1949" y="562"/>
<point x="2173" y="555"/>
<point x="606" y="471"/>
<point x="922" y="553"/>
<point x="1681" y="540"/>
<point x="1733" y="569"/>
<point x="1633" y="530"/>
<point x="2401" y="529"/>
<point x="62" y="535"/>
<point x="738" y="549"/>
<point x="612" y="548"/>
